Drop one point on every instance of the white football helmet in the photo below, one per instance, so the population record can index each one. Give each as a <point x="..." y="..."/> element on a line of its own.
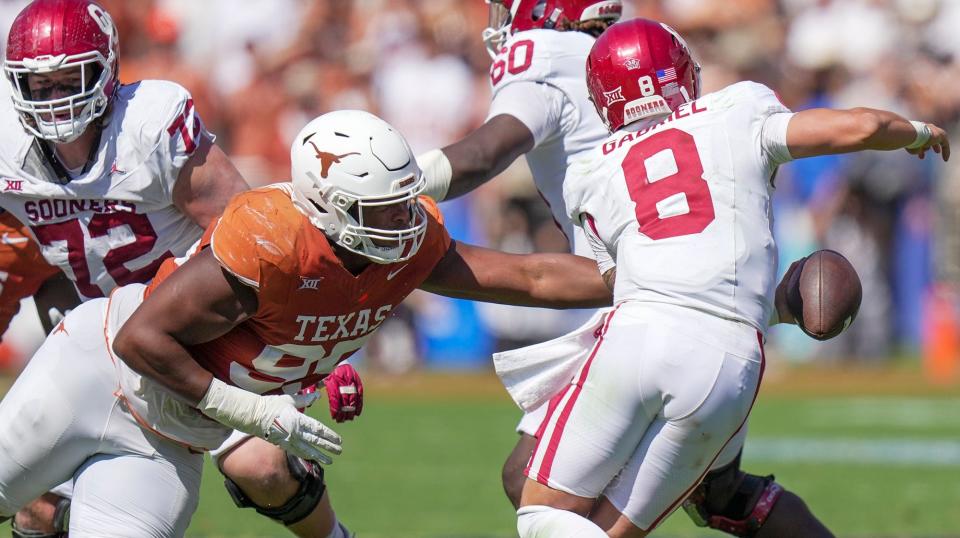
<point x="348" y="160"/>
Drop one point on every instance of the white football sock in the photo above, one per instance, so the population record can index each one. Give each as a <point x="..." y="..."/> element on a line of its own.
<point x="339" y="530"/>
<point x="547" y="522"/>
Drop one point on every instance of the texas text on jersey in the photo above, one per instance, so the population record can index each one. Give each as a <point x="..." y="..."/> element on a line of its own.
<point x="312" y="313"/>
<point x="112" y="222"/>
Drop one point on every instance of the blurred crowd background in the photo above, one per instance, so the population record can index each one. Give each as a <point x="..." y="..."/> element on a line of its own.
<point x="259" y="69"/>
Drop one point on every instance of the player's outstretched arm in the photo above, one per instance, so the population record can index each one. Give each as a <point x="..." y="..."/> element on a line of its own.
<point x="822" y="131"/>
<point x="206" y="183"/>
<point x="465" y="165"/>
<point x="546" y="280"/>
<point x="197" y="303"/>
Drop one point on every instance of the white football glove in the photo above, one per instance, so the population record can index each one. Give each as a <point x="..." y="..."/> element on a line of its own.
<point x="273" y="418"/>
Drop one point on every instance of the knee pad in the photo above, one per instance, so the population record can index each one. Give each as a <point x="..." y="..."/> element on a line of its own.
<point x="61" y="522"/>
<point x="304" y="501"/>
<point x="732" y="501"/>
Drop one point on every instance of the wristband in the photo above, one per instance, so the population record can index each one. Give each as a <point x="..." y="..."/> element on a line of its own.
<point x="437" y="172"/>
<point x="923" y="134"/>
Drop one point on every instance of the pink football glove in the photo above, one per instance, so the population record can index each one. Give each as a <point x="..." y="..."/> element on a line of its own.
<point x="345" y="391"/>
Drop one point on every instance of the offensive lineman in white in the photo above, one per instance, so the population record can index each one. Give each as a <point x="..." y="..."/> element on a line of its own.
<point x="676" y="203"/>
<point x="541" y="109"/>
<point x="111" y="180"/>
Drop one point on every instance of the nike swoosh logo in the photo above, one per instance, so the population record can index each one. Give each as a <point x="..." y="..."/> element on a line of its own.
<point x="15" y="241"/>
<point x="393" y="273"/>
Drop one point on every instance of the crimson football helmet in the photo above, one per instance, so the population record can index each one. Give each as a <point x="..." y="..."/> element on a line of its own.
<point x="54" y="35"/>
<point x="510" y="16"/>
<point x="638" y="69"/>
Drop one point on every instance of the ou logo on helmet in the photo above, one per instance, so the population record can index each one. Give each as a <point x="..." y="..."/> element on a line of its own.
<point x="102" y="19"/>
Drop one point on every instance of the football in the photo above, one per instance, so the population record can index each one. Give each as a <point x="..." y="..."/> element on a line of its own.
<point x="823" y="294"/>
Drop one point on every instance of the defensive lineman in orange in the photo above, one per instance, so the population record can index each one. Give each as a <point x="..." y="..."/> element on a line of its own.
<point x="291" y="280"/>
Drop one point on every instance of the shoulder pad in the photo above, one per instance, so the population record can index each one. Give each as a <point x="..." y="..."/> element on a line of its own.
<point x="257" y="227"/>
<point x="149" y="108"/>
<point x="431" y="207"/>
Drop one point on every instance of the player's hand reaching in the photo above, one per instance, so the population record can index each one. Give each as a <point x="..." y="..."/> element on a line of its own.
<point x="276" y="419"/>
<point x="936" y="140"/>
<point x="345" y="392"/>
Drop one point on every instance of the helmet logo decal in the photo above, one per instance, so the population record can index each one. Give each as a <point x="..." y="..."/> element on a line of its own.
<point x="102" y="19"/>
<point x="614" y="96"/>
<point x="631" y="64"/>
<point x="328" y="159"/>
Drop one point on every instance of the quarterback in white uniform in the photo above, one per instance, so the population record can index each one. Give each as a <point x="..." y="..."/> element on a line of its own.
<point x="540" y="109"/>
<point x="677" y="204"/>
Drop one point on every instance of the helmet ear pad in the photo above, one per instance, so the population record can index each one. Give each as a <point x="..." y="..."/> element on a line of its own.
<point x="347" y="161"/>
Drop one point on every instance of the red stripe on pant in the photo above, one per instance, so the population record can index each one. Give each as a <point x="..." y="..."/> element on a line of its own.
<point x="673" y="506"/>
<point x="543" y="473"/>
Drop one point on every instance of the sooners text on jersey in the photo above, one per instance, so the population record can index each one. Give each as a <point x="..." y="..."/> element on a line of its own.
<point x="114" y="222"/>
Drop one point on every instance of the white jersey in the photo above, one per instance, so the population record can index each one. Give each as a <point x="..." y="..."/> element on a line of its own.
<point x="539" y="79"/>
<point x="114" y="222"/>
<point x="683" y="205"/>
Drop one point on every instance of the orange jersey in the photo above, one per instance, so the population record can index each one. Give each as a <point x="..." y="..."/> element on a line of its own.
<point x="22" y="268"/>
<point x="312" y="312"/>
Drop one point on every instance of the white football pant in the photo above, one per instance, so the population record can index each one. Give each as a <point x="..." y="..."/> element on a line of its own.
<point x="62" y="420"/>
<point x="664" y="391"/>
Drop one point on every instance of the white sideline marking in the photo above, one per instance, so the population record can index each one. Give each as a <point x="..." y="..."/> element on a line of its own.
<point x="915" y="452"/>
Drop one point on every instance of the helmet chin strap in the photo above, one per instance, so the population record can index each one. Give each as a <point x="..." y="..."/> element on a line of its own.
<point x="63" y="176"/>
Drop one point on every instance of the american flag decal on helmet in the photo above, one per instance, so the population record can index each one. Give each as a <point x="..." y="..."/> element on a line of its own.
<point x="666" y="75"/>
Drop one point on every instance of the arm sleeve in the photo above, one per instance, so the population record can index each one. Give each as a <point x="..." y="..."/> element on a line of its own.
<point x="538" y="106"/>
<point x="600" y="253"/>
<point x="771" y="118"/>
<point x="773" y="139"/>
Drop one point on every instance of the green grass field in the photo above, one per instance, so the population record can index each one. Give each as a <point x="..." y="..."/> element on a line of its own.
<point x="875" y="455"/>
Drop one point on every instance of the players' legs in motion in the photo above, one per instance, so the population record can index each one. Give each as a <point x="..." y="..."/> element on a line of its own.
<point x="63" y="421"/>
<point x="648" y="415"/>
<point x="742" y="504"/>
<point x="151" y="495"/>
<point x="285" y="488"/>
<point x="512" y="474"/>
<point x="55" y="411"/>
